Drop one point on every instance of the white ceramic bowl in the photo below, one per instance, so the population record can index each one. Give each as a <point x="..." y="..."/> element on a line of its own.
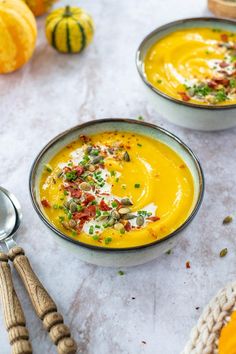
<point x="185" y="114"/>
<point x="106" y="256"/>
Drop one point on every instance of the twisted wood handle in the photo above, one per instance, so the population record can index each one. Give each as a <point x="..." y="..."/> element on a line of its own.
<point x="43" y="304"/>
<point x="13" y="313"/>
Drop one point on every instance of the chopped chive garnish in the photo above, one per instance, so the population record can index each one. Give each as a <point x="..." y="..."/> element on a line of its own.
<point x="122" y="231"/>
<point x="139" y="144"/>
<point x="48" y="168"/>
<point x="55" y="206"/>
<point x="137" y="185"/>
<point x="66" y="193"/>
<point x="114" y="204"/>
<point x="113" y="173"/>
<point x="74" y="233"/>
<point x="91" y="230"/>
<point x="96" y="237"/>
<point x="79" y="208"/>
<point x="61" y="218"/>
<point x="108" y="240"/>
<point x="117" y="180"/>
<point x="159" y="81"/>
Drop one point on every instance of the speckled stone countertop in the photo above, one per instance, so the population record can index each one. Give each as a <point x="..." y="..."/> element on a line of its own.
<point x="151" y="309"/>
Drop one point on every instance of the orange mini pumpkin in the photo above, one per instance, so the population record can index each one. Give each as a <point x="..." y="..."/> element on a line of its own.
<point x="18" y="33"/>
<point x="39" y="7"/>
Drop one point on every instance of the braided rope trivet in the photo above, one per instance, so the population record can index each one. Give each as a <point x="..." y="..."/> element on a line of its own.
<point x="204" y="337"/>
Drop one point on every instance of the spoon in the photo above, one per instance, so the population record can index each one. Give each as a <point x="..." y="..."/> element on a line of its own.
<point x="13" y="313"/>
<point x="43" y="304"/>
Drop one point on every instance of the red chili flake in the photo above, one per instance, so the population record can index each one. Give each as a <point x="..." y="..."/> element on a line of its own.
<point x="75" y="193"/>
<point x="91" y="211"/>
<point x="224" y="82"/>
<point x="153" y="218"/>
<point x="128" y="226"/>
<point x="103" y="206"/>
<point x="45" y="203"/>
<point x="212" y="84"/>
<point x="223" y="64"/>
<point x="79" y="170"/>
<point x="224" y="37"/>
<point x="184" y="96"/>
<point x="188" y="266"/>
<point x="88" y="198"/>
<point x="85" y="139"/>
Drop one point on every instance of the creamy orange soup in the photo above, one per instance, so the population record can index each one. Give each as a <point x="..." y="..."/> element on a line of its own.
<point x="117" y="189"/>
<point x="227" y="342"/>
<point x="195" y="65"/>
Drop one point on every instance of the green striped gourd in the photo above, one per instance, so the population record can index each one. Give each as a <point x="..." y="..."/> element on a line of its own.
<point x="69" y="29"/>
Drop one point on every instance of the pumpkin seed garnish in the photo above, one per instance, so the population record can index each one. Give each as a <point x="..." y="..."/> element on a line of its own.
<point x="128" y="216"/>
<point x="72" y="223"/>
<point x="73" y="207"/>
<point x="115" y="215"/>
<point x="111" y="222"/>
<point x="66" y="225"/>
<point x="97" y="159"/>
<point x="140" y="220"/>
<point x="126" y="201"/>
<point x="124" y="211"/>
<point x="227" y="220"/>
<point x="223" y="252"/>
<point x="126" y="157"/>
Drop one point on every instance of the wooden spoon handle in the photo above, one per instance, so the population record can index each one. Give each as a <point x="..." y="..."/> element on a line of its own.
<point x="13" y="313"/>
<point x="43" y="304"/>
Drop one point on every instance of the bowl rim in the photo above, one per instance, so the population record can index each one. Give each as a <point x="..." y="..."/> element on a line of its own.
<point x="116" y="120"/>
<point x="139" y="62"/>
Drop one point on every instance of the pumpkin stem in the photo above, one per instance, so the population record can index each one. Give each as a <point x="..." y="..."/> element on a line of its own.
<point x="67" y="12"/>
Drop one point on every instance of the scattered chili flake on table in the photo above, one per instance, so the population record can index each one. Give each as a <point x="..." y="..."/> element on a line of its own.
<point x="188" y="266"/>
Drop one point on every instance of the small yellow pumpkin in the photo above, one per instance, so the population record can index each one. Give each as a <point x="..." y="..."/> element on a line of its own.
<point x="39" y="7"/>
<point x="69" y="29"/>
<point x="18" y="33"/>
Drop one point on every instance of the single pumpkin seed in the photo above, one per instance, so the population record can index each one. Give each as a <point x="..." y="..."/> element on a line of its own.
<point x="227" y="220"/>
<point x="118" y="226"/>
<point x="126" y="157"/>
<point x="128" y="216"/>
<point x="67" y="203"/>
<point x="140" y="220"/>
<point x="124" y="211"/>
<point x="72" y="223"/>
<point x="76" y="200"/>
<point x="223" y="252"/>
<point x="111" y="222"/>
<point x="73" y="207"/>
<point x="126" y="201"/>
<point x="85" y="186"/>
<point x="96" y="160"/>
<point x="102" y="218"/>
<point x="115" y="215"/>
<point x="66" y="225"/>
<point x="88" y="149"/>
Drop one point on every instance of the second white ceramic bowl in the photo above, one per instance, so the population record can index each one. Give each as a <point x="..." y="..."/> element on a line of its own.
<point x="185" y="114"/>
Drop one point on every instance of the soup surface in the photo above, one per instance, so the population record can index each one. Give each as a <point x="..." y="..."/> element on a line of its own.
<point x="117" y="189"/>
<point x="195" y="65"/>
<point x="227" y="342"/>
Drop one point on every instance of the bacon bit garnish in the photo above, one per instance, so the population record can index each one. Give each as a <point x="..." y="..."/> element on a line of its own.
<point x="184" y="96"/>
<point x="223" y="64"/>
<point x="188" y="266"/>
<point x="79" y="170"/>
<point x="75" y="193"/>
<point x="224" y="37"/>
<point x="88" y="198"/>
<point x="91" y="211"/>
<point x="128" y="226"/>
<point x="85" y="139"/>
<point x="45" y="203"/>
<point x="103" y="206"/>
<point x="153" y="218"/>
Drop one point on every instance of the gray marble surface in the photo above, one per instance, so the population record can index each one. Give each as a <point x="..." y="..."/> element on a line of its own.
<point x="151" y="309"/>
